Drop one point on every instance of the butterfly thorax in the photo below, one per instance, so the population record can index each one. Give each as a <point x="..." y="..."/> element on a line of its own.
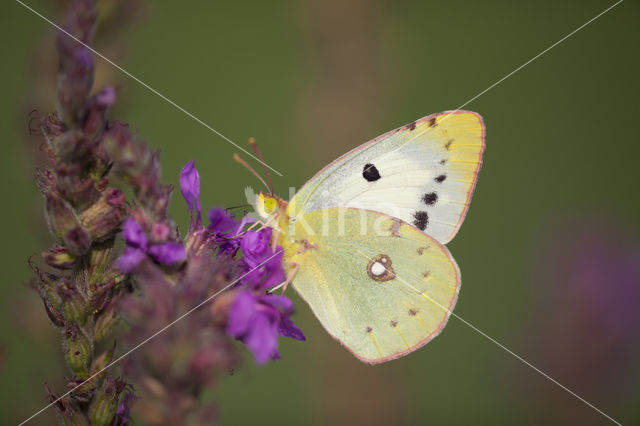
<point x="275" y="213"/>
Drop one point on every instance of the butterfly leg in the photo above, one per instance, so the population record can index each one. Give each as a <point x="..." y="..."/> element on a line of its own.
<point x="285" y="284"/>
<point x="292" y="274"/>
<point x="275" y="239"/>
<point x="256" y="223"/>
<point x="263" y="224"/>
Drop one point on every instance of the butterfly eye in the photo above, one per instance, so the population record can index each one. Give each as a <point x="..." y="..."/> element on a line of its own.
<point x="270" y="205"/>
<point x="266" y="205"/>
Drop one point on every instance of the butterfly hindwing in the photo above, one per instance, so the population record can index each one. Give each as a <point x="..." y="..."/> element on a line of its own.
<point x="423" y="173"/>
<point x="378" y="285"/>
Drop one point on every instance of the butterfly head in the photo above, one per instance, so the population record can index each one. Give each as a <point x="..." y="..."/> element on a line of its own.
<point x="267" y="205"/>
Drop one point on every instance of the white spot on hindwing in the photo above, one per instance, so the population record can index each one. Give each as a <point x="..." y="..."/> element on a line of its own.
<point x="379" y="268"/>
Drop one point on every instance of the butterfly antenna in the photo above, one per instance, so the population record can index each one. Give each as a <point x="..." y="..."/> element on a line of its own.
<point x="237" y="207"/>
<point x="248" y="167"/>
<point x="254" y="146"/>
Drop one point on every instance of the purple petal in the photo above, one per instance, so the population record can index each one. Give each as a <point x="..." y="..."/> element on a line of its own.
<point x="167" y="253"/>
<point x="84" y="58"/>
<point x="106" y="97"/>
<point x="130" y="259"/>
<point x="124" y="407"/>
<point x="190" y="188"/>
<point x="134" y="234"/>
<point x="240" y="314"/>
<point x="255" y="245"/>
<point x="275" y="355"/>
<point x="220" y="220"/>
<point x="262" y="339"/>
<point x="273" y="272"/>
<point x="287" y="328"/>
<point x="277" y="302"/>
<point x="245" y="221"/>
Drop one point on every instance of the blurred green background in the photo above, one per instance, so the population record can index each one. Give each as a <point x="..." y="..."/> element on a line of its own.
<point x="312" y="79"/>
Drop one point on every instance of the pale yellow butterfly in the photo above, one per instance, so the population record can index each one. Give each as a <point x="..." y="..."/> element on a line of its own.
<point x="363" y="239"/>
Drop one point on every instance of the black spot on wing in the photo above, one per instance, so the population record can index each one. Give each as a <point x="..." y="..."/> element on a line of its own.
<point x="432" y="122"/>
<point x="370" y="173"/>
<point x="394" y="323"/>
<point x="369" y="329"/>
<point x="430" y="198"/>
<point x="440" y="178"/>
<point x="412" y="312"/>
<point x="421" y="220"/>
<point x="447" y="146"/>
<point x="411" y="126"/>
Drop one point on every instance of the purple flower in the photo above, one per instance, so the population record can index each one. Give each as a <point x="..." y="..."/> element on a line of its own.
<point x="167" y="253"/>
<point x="130" y="259"/>
<point x="263" y="263"/>
<point x="106" y="97"/>
<point x="190" y="188"/>
<point x="122" y="413"/>
<point x="220" y="221"/>
<point x="138" y="248"/>
<point x="134" y="234"/>
<point x="257" y="320"/>
<point x="225" y="230"/>
<point x="255" y="246"/>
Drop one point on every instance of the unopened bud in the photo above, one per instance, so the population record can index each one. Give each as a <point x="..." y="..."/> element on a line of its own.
<point x="65" y="225"/>
<point x="104" y="217"/>
<point x="71" y="144"/>
<point x="78" y="352"/>
<point x="106" y="320"/>
<point x="55" y="316"/>
<point x="78" y="240"/>
<point x="59" y="257"/>
<point x="104" y="403"/>
<point x="65" y="411"/>
<point x="73" y="306"/>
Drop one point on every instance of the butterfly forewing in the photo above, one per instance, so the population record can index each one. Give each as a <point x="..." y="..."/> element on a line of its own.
<point x="423" y="173"/>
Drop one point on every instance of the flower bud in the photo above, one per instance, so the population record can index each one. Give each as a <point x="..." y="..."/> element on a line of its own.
<point x="47" y="284"/>
<point x="60" y="216"/>
<point x="103" y="218"/>
<point x="78" y="240"/>
<point x="104" y="403"/>
<point x="65" y="225"/>
<point x="73" y="305"/>
<point x="75" y="78"/>
<point x="55" y="316"/>
<point x="102" y="361"/>
<point x="80" y="192"/>
<point x="59" y="257"/>
<point x="98" y="263"/>
<point x="95" y="120"/>
<point x="65" y="411"/>
<point x="105" y="321"/>
<point x="71" y="145"/>
<point x="78" y="352"/>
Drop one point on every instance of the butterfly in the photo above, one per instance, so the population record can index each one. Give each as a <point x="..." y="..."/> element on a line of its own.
<point x="364" y="238"/>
